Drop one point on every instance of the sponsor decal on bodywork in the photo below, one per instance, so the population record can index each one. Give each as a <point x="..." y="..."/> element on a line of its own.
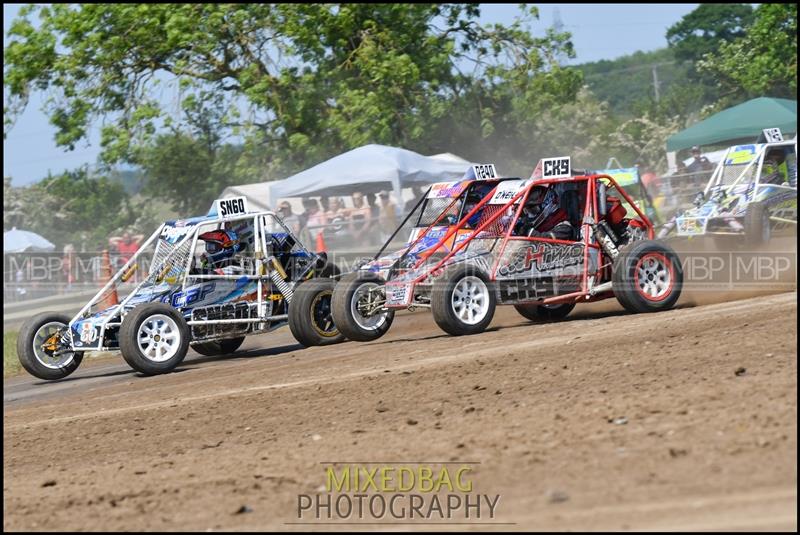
<point x="506" y="190"/>
<point x="541" y="257"/>
<point x="173" y="235"/>
<point x="447" y="190"/>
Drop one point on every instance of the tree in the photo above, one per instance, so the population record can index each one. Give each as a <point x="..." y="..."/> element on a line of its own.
<point x="301" y="81"/>
<point x="706" y="28"/>
<point x="763" y="62"/>
<point x="69" y="207"/>
<point x="187" y="172"/>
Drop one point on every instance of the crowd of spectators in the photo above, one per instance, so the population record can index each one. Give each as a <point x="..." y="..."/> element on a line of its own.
<point x="366" y="220"/>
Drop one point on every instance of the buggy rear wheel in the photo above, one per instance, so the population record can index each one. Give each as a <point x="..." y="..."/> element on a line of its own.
<point x="310" y="318"/>
<point x="353" y="300"/>
<point x="463" y="301"/>
<point x="218" y="347"/>
<point x="545" y="312"/>
<point x="647" y="277"/>
<point x="37" y="344"/>
<point x="154" y="338"/>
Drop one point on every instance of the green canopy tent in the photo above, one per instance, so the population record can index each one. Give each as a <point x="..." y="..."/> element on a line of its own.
<point x="742" y="122"/>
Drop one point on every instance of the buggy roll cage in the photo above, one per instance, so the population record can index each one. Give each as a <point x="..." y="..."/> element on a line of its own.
<point x="160" y="271"/>
<point x="757" y="160"/>
<point x="590" y="209"/>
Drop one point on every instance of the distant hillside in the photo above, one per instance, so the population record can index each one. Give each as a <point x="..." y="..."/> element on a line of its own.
<point x="628" y="81"/>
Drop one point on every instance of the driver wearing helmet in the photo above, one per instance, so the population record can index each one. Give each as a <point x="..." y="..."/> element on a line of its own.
<point x="543" y="217"/>
<point x="775" y="170"/>
<point x="474" y="197"/>
<point x="220" y="255"/>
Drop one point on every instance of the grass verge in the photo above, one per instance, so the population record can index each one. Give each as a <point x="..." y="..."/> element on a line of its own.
<point x="11" y="365"/>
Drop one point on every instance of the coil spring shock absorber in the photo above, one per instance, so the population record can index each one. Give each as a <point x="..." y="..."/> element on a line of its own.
<point x="608" y="238"/>
<point x="278" y="278"/>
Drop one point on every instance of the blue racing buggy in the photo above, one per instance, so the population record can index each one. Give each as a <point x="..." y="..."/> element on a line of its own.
<point x="211" y="281"/>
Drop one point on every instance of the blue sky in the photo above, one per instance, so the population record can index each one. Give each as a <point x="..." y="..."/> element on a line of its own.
<point x="599" y="31"/>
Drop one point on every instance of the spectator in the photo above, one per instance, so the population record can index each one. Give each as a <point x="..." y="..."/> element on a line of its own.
<point x="125" y="246"/>
<point x="325" y="202"/>
<point x="374" y="209"/>
<point x="388" y="215"/>
<point x="20" y="278"/>
<point x="68" y="264"/>
<point x="304" y="216"/>
<point x="336" y="214"/>
<point x="417" y="195"/>
<point x="359" y="218"/>
<point x="289" y="219"/>
<point x="681" y="170"/>
<point x="700" y="162"/>
<point x="315" y="218"/>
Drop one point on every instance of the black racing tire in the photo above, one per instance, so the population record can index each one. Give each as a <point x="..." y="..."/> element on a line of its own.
<point x="545" y="312"/>
<point x="361" y="329"/>
<point x="310" y="318"/>
<point x="27" y="356"/>
<point x="467" y="289"/>
<point x="757" y="229"/>
<point x="218" y="347"/>
<point x="647" y="277"/>
<point x="169" y="332"/>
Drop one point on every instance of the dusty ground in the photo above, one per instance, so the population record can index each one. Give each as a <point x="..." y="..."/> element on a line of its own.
<point x="680" y="420"/>
<point x="604" y="421"/>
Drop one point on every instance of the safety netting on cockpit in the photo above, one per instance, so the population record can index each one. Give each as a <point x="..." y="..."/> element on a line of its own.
<point x="498" y="216"/>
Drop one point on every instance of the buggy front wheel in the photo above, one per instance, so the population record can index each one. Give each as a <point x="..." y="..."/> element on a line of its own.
<point x="40" y="350"/>
<point x="463" y="301"/>
<point x="356" y="307"/>
<point x="647" y="277"/>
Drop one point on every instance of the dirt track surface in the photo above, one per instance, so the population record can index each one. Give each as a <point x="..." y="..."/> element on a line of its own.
<point x="604" y="421"/>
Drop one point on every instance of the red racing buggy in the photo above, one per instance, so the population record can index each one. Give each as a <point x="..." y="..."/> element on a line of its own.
<point x="543" y="245"/>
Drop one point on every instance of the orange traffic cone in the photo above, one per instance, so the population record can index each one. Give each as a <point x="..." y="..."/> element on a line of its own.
<point x="111" y="298"/>
<point x="321" y="247"/>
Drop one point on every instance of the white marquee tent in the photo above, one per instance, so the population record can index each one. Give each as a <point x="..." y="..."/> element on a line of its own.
<point x="18" y="241"/>
<point x="368" y="169"/>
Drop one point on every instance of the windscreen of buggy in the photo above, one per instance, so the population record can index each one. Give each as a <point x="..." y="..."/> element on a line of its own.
<point x="440" y="210"/>
<point x="736" y="163"/>
<point x="448" y="210"/>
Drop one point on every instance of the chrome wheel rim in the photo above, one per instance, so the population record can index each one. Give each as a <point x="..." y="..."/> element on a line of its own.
<point x="361" y="300"/>
<point x="159" y="338"/>
<point x="49" y="360"/>
<point x="470" y="300"/>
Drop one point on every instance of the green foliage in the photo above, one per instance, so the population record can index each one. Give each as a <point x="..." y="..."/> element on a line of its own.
<point x="707" y="28"/>
<point x="761" y="63"/>
<point x="70" y="208"/>
<point x="314" y="80"/>
<point x="11" y="365"/>
<point x="187" y="171"/>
